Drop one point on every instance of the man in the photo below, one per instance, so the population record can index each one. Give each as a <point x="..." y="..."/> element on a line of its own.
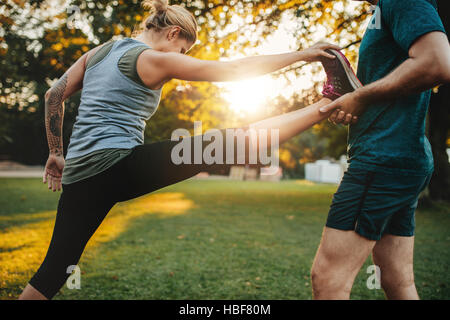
<point x="403" y="54"/>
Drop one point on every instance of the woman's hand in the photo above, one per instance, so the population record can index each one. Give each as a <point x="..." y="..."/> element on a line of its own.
<point x="317" y="52"/>
<point x="53" y="172"/>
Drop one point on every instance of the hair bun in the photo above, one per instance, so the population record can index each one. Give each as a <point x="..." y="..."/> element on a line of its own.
<point x="156" y="5"/>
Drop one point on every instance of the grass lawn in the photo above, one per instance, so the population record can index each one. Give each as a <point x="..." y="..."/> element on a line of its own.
<point x="202" y="240"/>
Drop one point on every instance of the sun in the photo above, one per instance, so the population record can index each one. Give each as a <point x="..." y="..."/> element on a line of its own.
<point x="249" y="96"/>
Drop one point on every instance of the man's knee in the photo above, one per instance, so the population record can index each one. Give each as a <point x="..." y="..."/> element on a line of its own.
<point x="319" y="279"/>
<point x="396" y="279"/>
<point x="325" y="279"/>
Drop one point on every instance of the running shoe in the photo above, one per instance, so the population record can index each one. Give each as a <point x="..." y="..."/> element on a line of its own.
<point x="341" y="78"/>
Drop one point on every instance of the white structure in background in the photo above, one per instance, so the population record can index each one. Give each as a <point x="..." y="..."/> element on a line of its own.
<point x="237" y="172"/>
<point x="249" y="173"/>
<point x="275" y="177"/>
<point x="326" y="171"/>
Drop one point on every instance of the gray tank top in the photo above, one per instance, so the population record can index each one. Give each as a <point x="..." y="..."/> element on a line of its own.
<point x="113" y="108"/>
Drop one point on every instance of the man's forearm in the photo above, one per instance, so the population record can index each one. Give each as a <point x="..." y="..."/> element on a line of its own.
<point x="409" y="78"/>
<point x="54" y="115"/>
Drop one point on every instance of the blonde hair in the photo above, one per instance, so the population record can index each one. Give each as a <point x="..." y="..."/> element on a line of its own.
<point x="163" y="15"/>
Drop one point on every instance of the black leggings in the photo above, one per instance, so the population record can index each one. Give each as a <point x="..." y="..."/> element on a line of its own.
<point x="83" y="205"/>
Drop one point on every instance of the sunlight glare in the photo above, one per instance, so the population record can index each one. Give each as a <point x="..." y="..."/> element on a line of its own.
<point x="249" y="96"/>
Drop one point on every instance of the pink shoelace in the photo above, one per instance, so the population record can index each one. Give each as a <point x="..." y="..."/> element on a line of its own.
<point x="328" y="89"/>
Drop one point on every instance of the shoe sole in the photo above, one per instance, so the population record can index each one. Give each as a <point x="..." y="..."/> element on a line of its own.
<point x="354" y="81"/>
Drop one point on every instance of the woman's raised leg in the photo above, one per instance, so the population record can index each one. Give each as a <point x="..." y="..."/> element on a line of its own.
<point x="292" y="123"/>
<point x="152" y="166"/>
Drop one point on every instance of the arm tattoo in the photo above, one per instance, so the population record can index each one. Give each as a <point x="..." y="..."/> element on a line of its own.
<point x="54" y="114"/>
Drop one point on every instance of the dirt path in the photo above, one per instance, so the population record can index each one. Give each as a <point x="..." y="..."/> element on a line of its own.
<point x="11" y="169"/>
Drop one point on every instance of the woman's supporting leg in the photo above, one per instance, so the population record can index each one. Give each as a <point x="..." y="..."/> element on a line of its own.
<point x="31" y="293"/>
<point x="83" y="205"/>
<point x="81" y="209"/>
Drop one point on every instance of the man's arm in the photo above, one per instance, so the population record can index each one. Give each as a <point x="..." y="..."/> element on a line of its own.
<point x="428" y="65"/>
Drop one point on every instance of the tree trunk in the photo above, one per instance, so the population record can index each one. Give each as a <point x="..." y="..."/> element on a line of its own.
<point x="439" y="125"/>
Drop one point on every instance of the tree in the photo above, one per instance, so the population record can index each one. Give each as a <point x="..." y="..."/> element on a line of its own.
<point x="37" y="46"/>
<point x="439" y="120"/>
<point x="439" y="130"/>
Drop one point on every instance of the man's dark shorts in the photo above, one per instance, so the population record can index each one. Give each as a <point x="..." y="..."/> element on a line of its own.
<point x="376" y="203"/>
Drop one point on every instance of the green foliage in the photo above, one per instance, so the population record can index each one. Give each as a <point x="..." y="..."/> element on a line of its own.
<point x="37" y="46"/>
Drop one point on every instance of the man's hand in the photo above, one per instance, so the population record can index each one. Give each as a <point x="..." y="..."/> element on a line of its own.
<point x="53" y="172"/>
<point x="346" y="109"/>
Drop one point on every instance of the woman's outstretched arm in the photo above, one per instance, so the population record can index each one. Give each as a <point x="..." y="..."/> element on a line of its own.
<point x="156" y="68"/>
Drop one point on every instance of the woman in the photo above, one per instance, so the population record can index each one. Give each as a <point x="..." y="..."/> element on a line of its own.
<point x="107" y="161"/>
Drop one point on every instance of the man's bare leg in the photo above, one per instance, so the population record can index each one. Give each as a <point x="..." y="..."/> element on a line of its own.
<point x="338" y="260"/>
<point x="394" y="256"/>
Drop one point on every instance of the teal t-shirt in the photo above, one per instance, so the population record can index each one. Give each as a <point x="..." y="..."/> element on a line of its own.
<point x="390" y="136"/>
